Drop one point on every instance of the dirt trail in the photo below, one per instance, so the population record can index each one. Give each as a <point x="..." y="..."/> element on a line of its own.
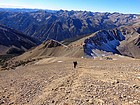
<point x="54" y="81"/>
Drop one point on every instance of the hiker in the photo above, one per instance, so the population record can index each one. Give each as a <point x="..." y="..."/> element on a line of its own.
<point x="75" y="64"/>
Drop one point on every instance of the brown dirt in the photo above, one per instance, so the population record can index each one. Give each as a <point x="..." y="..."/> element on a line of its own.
<point x="54" y="81"/>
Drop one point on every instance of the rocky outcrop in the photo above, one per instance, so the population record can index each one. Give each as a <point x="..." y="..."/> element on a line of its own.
<point x="60" y="25"/>
<point x="51" y="43"/>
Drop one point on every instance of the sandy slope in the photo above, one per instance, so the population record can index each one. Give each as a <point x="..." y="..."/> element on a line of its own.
<point x="54" y="81"/>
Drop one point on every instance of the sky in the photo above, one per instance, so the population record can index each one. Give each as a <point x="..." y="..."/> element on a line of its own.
<point x="122" y="6"/>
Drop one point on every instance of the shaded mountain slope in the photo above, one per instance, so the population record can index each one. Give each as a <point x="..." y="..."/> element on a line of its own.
<point x="14" y="42"/>
<point x="61" y="25"/>
<point x="105" y="40"/>
<point x="123" y="40"/>
<point x="131" y="46"/>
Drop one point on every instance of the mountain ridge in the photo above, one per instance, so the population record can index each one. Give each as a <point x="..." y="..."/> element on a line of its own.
<point x="61" y="25"/>
<point x="98" y="44"/>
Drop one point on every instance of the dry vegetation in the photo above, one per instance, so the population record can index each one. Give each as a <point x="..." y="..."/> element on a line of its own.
<point x="54" y="81"/>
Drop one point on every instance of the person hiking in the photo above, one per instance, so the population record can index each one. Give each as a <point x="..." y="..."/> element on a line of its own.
<point x="75" y="64"/>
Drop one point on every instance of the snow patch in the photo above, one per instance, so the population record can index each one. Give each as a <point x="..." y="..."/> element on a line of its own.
<point x="59" y="61"/>
<point x="103" y="41"/>
<point x="39" y="20"/>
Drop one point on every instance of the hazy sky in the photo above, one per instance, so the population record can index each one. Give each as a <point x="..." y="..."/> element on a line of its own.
<point x="123" y="6"/>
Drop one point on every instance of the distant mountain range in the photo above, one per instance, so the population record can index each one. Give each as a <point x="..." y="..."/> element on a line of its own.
<point x="24" y="10"/>
<point x="61" y="25"/>
<point x="70" y="33"/>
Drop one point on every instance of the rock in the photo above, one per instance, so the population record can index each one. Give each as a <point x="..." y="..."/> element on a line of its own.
<point x="91" y="101"/>
<point x="135" y="86"/>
